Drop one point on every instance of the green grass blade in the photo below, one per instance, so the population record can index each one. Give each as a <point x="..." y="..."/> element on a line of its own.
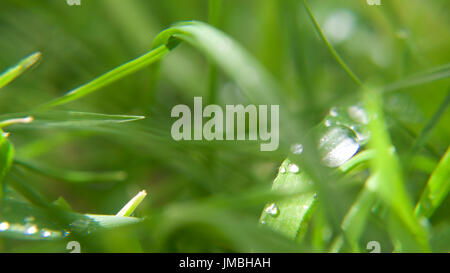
<point x="68" y="119"/>
<point x="436" y="74"/>
<point x="6" y="158"/>
<point x="437" y="188"/>
<point x="14" y="72"/>
<point x="389" y="184"/>
<point x="129" y="208"/>
<point x="330" y="47"/>
<point x="355" y="220"/>
<point x="109" y="77"/>
<point x="71" y="176"/>
<point x="426" y="131"/>
<point x="256" y="83"/>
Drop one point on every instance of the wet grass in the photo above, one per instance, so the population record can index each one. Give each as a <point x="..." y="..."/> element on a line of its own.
<point x="356" y="115"/>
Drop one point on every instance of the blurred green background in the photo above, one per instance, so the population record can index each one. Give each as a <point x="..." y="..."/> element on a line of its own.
<point x="204" y="197"/>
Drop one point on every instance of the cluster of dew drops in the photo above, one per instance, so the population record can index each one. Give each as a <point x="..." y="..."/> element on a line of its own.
<point x="29" y="228"/>
<point x="344" y="131"/>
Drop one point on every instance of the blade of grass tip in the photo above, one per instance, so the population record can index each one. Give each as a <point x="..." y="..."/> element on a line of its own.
<point x="333" y="51"/>
<point x="389" y="183"/>
<point x="436" y="189"/>
<point x="15" y="71"/>
<point x="109" y="77"/>
<point x="72" y="176"/>
<point x="426" y="132"/>
<point x="129" y="208"/>
<point x="13" y="121"/>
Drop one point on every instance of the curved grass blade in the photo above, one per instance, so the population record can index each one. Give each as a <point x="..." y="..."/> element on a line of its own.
<point x="109" y="77"/>
<point x="253" y="79"/>
<point x="14" y="72"/>
<point x="437" y="188"/>
<point x="256" y="83"/>
<point x="333" y="51"/>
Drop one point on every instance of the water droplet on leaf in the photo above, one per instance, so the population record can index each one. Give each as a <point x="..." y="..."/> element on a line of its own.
<point x="31" y="230"/>
<point x="292" y="168"/>
<point x="4" y="226"/>
<point x="338" y="145"/>
<point x="272" y="210"/>
<point x="297" y="149"/>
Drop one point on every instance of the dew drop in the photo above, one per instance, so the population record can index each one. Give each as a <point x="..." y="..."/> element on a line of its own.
<point x="333" y="112"/>
<point x="4" y="226"/>
<point x="338" y="145"/>
<point x="358" y="114"/>
<point x="297" y="149"/>
<point x="46" y="233"/>
<point x="31" y="230"/>
<point x="282" y="169"/>
<point x="292" y="168"/>
<point x="272" y="210"/>
<point x="327" y="123"/>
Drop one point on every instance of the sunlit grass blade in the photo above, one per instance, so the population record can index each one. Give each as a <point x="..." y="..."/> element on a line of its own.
<point x="389" y="183"/>
<point x="437" y="188"/>
<point x="14" y="72"/>
<point x="129" y="208"/>
<point x="71" y="176"/>
<point x="109" y="77"/>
